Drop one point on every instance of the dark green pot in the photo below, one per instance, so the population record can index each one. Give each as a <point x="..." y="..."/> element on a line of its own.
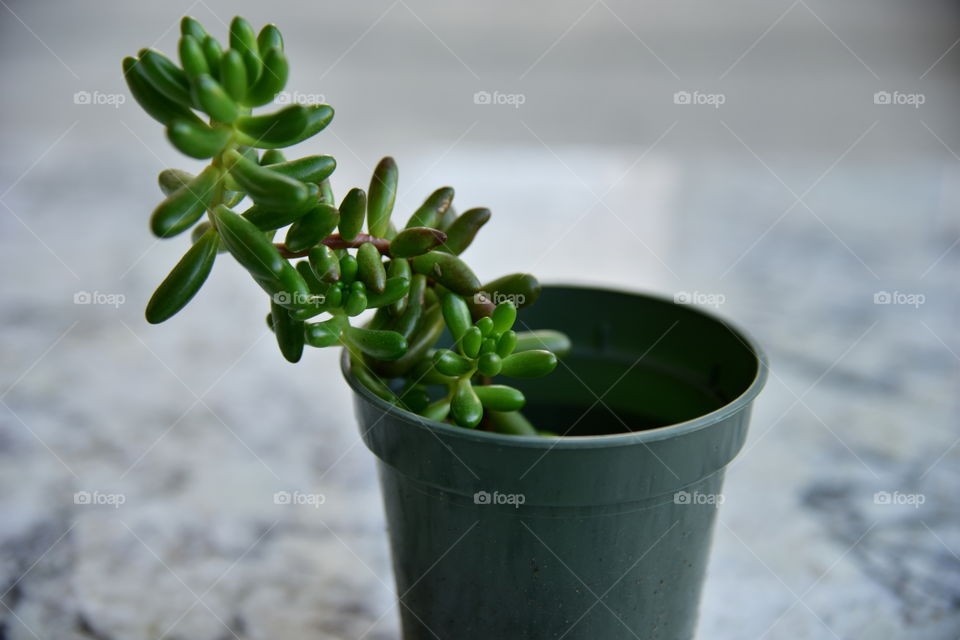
<point x="601" y="535"/>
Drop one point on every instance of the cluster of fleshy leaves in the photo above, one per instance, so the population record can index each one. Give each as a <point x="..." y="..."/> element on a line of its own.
<point x="328" y="269"/>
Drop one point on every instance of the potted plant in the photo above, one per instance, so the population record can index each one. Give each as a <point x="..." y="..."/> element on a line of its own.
<point x="578" y="504"/>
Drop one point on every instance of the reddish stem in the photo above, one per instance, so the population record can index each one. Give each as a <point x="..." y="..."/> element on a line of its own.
<point x="336" y="241"/>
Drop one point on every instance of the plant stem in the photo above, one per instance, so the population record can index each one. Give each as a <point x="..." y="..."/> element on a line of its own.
<point x="217" y="161"/>
<point x="336" y="241"/>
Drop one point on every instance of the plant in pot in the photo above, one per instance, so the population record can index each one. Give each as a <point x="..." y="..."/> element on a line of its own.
<point x="577" y="504"/>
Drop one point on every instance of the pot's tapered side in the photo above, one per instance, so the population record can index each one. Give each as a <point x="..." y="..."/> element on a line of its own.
<point x="589" y="536"/>
<point x="479" y="571"/>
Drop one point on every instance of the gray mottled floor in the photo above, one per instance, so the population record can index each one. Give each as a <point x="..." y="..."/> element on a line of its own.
<point x="798" y="201"/>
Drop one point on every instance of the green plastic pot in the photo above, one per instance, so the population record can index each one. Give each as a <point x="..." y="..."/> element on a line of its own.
<point x="599" y="535"/>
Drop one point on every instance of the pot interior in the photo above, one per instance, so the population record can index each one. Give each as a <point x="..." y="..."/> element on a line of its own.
<point x="590" y="395"/>
<point x="638" y="363"/>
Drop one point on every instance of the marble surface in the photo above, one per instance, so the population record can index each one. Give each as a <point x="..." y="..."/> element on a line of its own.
<point x="181" y="435"/>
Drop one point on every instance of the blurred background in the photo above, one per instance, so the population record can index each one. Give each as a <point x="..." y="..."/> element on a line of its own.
<point x="793" y="164"/>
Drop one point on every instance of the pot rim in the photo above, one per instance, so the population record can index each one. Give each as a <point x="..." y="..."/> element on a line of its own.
<point x="593" y="441"/>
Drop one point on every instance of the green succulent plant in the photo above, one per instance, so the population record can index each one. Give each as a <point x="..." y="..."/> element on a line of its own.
<point x="327" y="270"/>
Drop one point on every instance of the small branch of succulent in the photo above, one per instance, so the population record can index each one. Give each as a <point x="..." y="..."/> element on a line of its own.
<point x="328" y="270"/>
<point x="482" y="350"/>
